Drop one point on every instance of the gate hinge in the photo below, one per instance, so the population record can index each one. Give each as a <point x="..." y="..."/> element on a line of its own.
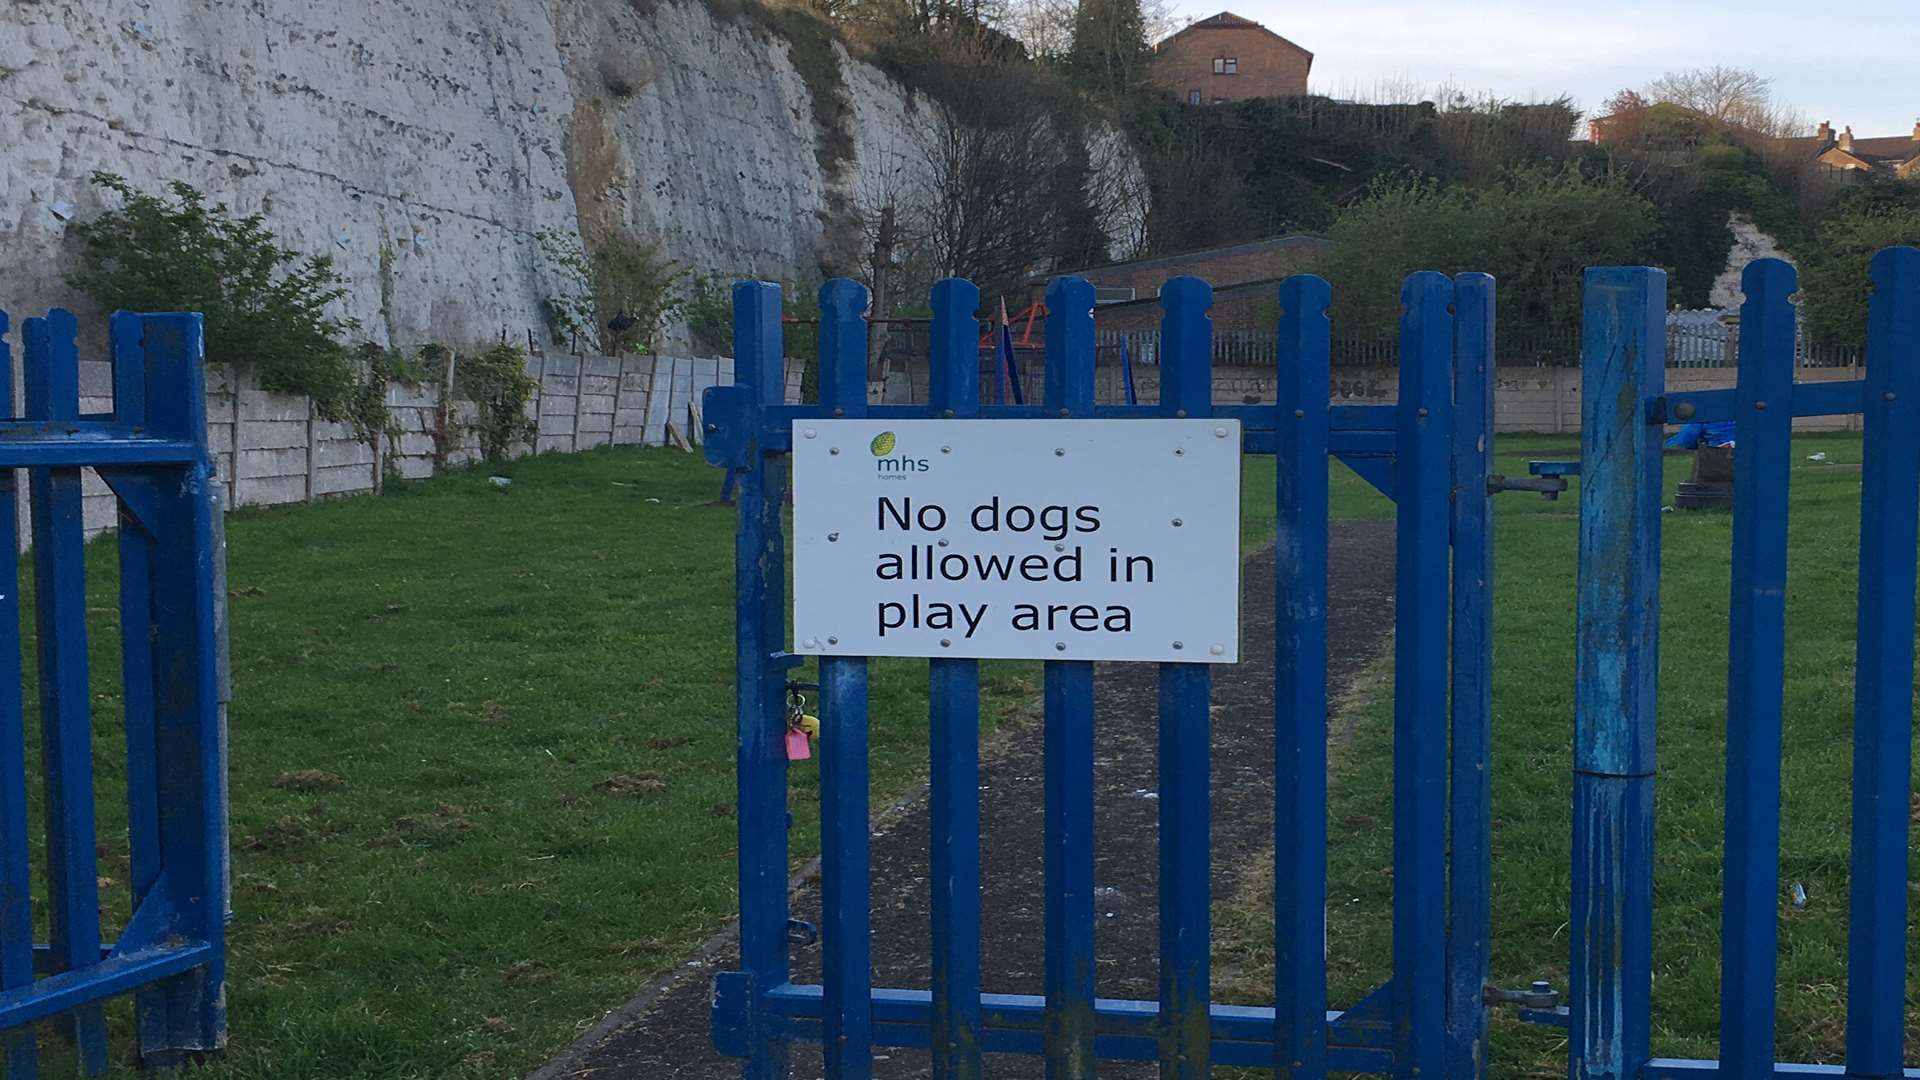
<point x="1540" y="995"/>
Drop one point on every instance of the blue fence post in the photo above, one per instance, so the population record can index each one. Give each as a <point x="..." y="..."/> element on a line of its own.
<point x="1186" y="390"/>
<point x="1616" y="670"/>
<point x="1470" y="837"/>
<point x="761" y="629"/>
<point x="59" y="562"/>
<point x="16" y="884"/>
<point x="954" y="731"/>
<point x="1883" y="694"/>
<point x="1302" y="404"/>
<point x="1422" y="480"/>
<point x="1750" y="911"/>
<point x="845" y="894"/>
<point x="1069" y="1023"/>
<point x="185" y="704"/>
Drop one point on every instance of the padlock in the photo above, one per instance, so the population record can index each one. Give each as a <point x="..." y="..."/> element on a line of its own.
<point x="810" y="724"/>
<point x="798" y="748"/>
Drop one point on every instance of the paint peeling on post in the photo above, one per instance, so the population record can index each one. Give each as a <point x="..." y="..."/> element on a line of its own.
<point x="1616" y="667"/>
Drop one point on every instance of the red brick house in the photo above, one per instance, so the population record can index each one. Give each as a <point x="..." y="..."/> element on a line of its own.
<point x="1226" y="57"/>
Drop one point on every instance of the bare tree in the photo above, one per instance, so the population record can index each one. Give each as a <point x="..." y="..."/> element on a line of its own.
<point x="1726" y="95"/>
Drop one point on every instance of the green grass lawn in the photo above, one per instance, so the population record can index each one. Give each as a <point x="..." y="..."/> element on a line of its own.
<point x="1532" y="775"/>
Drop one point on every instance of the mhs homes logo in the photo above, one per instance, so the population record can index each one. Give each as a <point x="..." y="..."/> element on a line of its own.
<point x="893" y="466"/>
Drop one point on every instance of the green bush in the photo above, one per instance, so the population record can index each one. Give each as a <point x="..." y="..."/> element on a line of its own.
<point x="1537" y="232"/>
<point x="1834" y="278"/>
<point x="264" y="305"/>
<point x="495" y="379"/>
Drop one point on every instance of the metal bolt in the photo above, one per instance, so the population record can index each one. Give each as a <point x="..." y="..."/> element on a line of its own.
<point x="946" y="643"/>
<point x="1760" y="406"/>
<point x="833" y="537"/>
<point x="811" y="643"/>
<point x="1178" y="646"/>
<point x="1299" y="414"/>
<point x="811" y="433"/>
<point x="834" y="450"/>
<point x="1179" y="451"/>
<point x="946" y="449"/>
<point x="837" y="411"/>
<point x="1059" y="451"/>
<point x="1219" y="433"/>
<point x="1059" y="646"/>
<point x="946" y="412"/>
<point x="833" y="640"/>
<point x="1421" y="412"/>
<point x="1683" y="411"/>
<point x="1889" y="395"/>
<point x="1217" y="649"/>
<point x="1059" y="547"/>
<point x="943" y="541"/>
<point x="1064" y="412"/>
<point x="1181" y="413"/>
<point x="711" y="428"/>
<point x="1176" y="523"/>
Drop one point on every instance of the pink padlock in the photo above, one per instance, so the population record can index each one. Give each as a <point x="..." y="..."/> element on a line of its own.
<point x="798" y="748"/>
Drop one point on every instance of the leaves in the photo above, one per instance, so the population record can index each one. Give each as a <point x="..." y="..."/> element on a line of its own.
<point x="263" y="305"/>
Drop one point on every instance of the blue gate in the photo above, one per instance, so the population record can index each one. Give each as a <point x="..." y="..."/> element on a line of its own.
<point x="1432" y="450"/>
<point x="1625" y="406"/>
<point x="152" y="453"/>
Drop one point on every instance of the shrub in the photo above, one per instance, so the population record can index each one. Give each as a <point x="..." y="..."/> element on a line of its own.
<point x="1834" y="277"/>
<point x="495" y="379"/>
<point x="264" y="305"/>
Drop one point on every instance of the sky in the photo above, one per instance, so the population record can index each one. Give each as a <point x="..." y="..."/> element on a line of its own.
<point x="1852" y="62"/>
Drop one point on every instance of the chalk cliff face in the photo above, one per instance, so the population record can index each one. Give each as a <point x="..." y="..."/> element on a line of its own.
<point x="426" y="144"/>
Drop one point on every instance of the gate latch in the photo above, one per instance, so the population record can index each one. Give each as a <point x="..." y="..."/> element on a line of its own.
<point x="1540" y="995"/>
<point x="1549" y="478"/>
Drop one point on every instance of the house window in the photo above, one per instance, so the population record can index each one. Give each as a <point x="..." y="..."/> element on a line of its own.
<point x="1193" y="97"/>
<point x="1226" y="65"/>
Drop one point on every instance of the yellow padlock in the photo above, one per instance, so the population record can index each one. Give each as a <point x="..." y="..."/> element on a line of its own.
<point x="810" y="724"/>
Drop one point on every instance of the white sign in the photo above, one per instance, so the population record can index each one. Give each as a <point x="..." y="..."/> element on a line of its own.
<point x="1025" y="539"/>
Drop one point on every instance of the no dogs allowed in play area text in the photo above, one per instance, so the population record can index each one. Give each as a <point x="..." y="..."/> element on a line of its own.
<point x="1018" y="539"/>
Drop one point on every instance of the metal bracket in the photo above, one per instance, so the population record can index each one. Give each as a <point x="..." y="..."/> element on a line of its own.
<point x="1549" y="487"/>
<point x="732" y="421"/>
<point x="1541" y="995"/>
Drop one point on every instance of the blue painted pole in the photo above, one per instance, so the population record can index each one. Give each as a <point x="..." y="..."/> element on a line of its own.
<point x="137" y="552"/>
<point x="59" y="561"/>
<point x="1883" y="681"/>
<point x="1186" y="390"/>
<point x="1303" y="384"/>
<point x="1069" y="1018"/>
<point x="1469" y="818"/>
<point x="1423" y="478"/>
<point x="1756" y="658"/>
<point x="16" y="883"/>
<point x="845" y="897"/>
<point x="1616" y="668"/>
<point x="187" y="746"/>
<point x="760" y="686"/>
<point x="954" y="732"/>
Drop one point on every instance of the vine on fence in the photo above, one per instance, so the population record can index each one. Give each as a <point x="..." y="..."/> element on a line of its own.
<point x="495" y="379"/>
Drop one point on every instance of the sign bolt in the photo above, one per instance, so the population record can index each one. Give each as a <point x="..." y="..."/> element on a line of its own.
<point x="811" y="433"/>
<point x="833" y="537"/>
<point x="943" y="541"/>
<point x="1179" y="451"/>
<point x="1177" y="646"/>
<point x="1217" y="649"/>
<point x="1059" y="646"/>
<point x="946" y="449"/>
<point x="812" y="643"/>
<point x="834" y="450"/>
<point x="946" y="643"/>
<point x="1059" y="452"/>
<point x="833" y="640"/>
<point x="1176" y="523"/>
<point x="1219" y="433"/>
<point x="1059" y="547"/>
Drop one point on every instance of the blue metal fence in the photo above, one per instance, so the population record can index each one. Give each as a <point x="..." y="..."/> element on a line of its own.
<point x="1618" y="625"/>
<point x="1432" y="448"/>
<point x="152" y="453"/>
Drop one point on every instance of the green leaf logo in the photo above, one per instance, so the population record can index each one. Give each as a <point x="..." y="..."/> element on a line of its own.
<point x="882" y="444"/>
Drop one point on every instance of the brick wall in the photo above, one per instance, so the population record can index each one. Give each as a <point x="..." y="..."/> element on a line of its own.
<point x="1269" y="65"/>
